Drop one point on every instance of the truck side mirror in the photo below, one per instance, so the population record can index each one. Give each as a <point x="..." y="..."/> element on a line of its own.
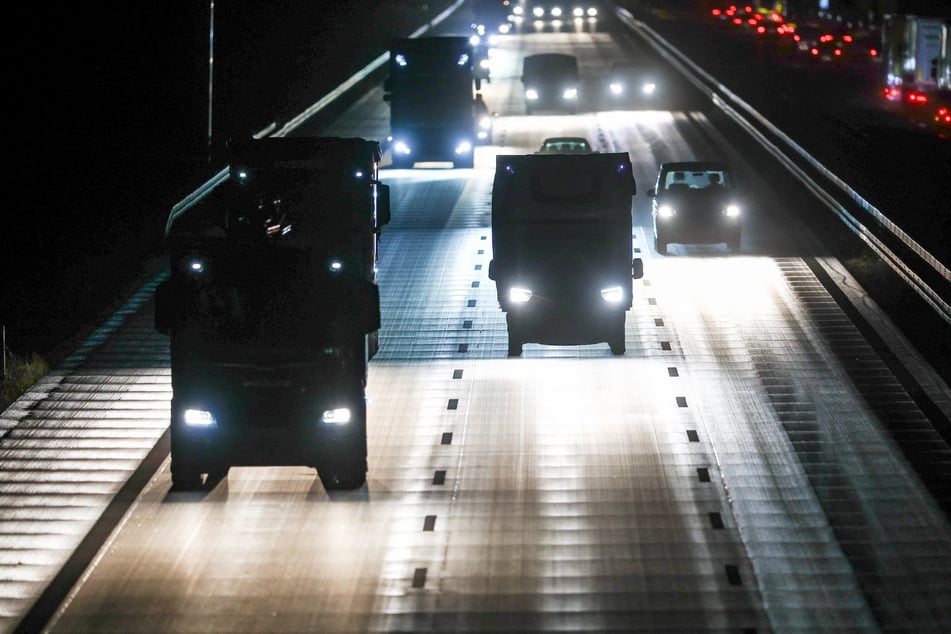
<point x="382" y="204"/>
<point x="367" y="305"/>
<point x="491" y="269"/>
<point x="164" y="308"/>
<point x="637" y="268"/>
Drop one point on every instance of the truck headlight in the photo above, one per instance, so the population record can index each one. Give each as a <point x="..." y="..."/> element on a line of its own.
<point x="612" y="294"/>
<point x="648" y="88"/>
<point x="666" y="211"/>
<point x="731" y="211"/>
<point x="463" y="147"/>
<point x="338" y="416"/>
<point x="531" y="94"/>
<point x="198" y="418"/>
<point x="519" y="295"/>
<point x="570" y="93"/>
<point x="616" y="88"/>
<point x="400" y="147"/>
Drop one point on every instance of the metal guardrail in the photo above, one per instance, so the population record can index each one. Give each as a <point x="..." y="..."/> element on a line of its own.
<point x="208" y="186"/>
<point x="926" y="275"/>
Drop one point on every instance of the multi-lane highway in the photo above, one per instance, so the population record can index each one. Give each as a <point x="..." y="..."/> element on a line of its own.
<point x="733" y="471"/>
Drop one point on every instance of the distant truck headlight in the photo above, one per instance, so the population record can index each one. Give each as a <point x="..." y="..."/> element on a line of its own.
<point x="648" y="88"/>
<point x="616" y="88"/>
<point x="592" y="12"/>
<point x="612" y="294"/>
<point x="199" y="418"/>
<point x="538" y="12"/>
<point x="400" y="147"/>
<point x="556" y="12"/>
<point x="570" y="94"/>
<point x="519" y="295"/>
<point x="531" y="94"/>
<point x="338" y="416"/>
<point x="666" y="211"/>
<point x="731" y="211"/>
<point x="578" y="12"/>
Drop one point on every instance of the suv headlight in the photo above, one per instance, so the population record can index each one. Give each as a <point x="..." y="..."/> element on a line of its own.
<point x="612" y="294"/>
<point x="519" y="295"/>
<point x="199" y="418"/>
<point x="338" y="416"/>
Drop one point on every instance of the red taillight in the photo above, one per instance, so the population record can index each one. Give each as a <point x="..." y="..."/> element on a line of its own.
<point x="846" y="38"/>
<point x="751" y="21"/>
<point x="873" y="52"/>
<point x="838" y="52"/>
<point x="737" y="21"/>
<point x="716" y="12"/>
<point x="761" y="29"/>
<point x="748" y="9"/>
<point x="796" y="38"/>
<point x="943" y="116"/>
<point x="814" y="51"/>
<point x="917" y="97"/>
<point x="892" y="93"/>
<point x="826" y="38"/>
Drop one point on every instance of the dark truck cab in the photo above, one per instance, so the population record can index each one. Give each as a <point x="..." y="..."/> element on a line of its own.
<point x="562" y="253"/>
<point x="273" y="311"/>
<point x="434" y="114"/>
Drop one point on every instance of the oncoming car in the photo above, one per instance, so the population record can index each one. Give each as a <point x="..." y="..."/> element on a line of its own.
<point x="630" y="83"/>
<point x="565" y="145"/>
<point x="695" y="203"/>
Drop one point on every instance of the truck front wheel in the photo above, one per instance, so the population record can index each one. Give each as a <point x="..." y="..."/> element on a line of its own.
<point x="616" y="337"/>
<point x="344" y="465"/>
<point x="186" y="476"/>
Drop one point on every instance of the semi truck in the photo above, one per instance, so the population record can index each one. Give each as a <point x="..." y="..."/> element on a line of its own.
<point x="561" y="248"/>
<point x="431" y="89"/>
<point x="273" y="311"/>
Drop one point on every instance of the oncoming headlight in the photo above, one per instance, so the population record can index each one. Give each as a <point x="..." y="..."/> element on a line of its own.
<point x="666" y="211"/>
<point x="570" y="93"/>
<point x="463" y="147"/>
<point x="648" y="88"/>
<point x="338" y="416"/>
<point x="519" y="295"/>
<point x="731" y="211"/>
<point x="401" y="148"/>
<point x="616" y="88"/>
<point x="531" y="94"/>
<point x="612" y="294"/>
<point x="198" y="418"/>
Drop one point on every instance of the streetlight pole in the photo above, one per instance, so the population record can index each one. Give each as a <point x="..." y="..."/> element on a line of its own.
<point x="211" y="68"/>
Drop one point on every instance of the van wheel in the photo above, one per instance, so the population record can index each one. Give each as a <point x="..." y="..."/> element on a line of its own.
<point x="345" y="468"/>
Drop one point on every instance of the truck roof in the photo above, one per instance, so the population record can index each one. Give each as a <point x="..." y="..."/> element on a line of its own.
<point x="562" y="187"/>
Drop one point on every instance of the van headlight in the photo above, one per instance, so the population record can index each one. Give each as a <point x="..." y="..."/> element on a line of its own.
<point x="338" y="416"/>
<point x="731" y="211"/>
<point x="198" y="418"/>
<point x="519" y="295"/>
<point x="400" y="147"/>
<point x="612" y="294"/>
<point x="666" y="211"/>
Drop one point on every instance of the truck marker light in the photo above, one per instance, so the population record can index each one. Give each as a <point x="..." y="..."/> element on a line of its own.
<point x="336" y="265"/>
<point x="242" y="174"/>
<point x="196" y="266"/>
<point x="358" y="174"/>
<point x="612" y="294"/>
<point x="198" y="418"/>
<point x="339" y="416"/>
<point x="519" y="295"/>
<point x="731" y="211"/>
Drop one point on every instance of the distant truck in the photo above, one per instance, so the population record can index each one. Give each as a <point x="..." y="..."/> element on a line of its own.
<point x="915" y="53"/>
<point x="562" y="253"/>
<point x="273" y="311"/>
<point x="551" y="82"/>
<point x="431" y="88"/>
